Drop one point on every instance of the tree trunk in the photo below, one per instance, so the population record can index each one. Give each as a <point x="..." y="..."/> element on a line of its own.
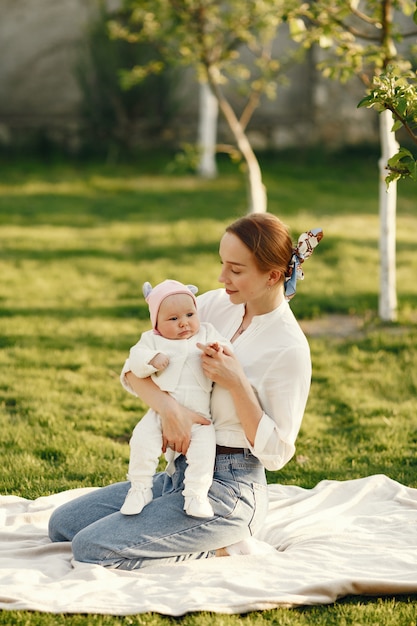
<point x="387" y="215"/>
<point x="207" y="132"/>
<point x="256" y="188"/>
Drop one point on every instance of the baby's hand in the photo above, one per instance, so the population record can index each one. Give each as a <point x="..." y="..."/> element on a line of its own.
<point x="215" y="346"/>
<point x="160" y="361"/>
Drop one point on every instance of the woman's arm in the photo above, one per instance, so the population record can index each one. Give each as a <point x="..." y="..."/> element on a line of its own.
<point x="176" y="420"/>
<point x="271" y="427"/>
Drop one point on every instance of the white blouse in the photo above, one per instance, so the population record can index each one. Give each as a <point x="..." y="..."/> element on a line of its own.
<point x="275" y="356"/>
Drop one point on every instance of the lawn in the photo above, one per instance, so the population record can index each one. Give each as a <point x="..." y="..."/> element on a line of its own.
<point x="78" y="239"/>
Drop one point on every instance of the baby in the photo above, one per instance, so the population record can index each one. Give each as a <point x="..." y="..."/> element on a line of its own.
<point x="169" y="354"/>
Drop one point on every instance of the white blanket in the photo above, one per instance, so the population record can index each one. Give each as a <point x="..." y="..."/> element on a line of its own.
<point x="340" y="538"/>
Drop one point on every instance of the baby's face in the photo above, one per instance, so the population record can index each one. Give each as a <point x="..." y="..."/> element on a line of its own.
<point x="177" y="317"/>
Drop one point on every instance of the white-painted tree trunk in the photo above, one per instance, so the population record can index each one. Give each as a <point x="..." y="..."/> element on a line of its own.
<point x="257" y="191"/>
<point x="387" y="307"/>
<point x="257" y="198"/>
<point x="207" y="132"/>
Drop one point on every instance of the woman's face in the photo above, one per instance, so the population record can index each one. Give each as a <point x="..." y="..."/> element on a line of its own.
<point x="242" y="279"/>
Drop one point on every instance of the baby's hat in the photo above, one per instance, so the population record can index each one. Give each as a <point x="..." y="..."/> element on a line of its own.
<point x="155" y="295"/>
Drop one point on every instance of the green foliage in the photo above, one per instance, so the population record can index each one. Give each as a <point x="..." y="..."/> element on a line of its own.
<point x="78" y="240"/>
<point x="204" y="34"/>
<point x="402" y="165"/>
<point x="396" y="91"/>
<point x="362" y="40"/>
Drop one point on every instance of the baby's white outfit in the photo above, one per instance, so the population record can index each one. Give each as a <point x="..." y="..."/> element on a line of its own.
<point x="185" y="380"/>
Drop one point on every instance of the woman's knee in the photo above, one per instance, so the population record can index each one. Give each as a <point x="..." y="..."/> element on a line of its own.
<point x="86" y="549"/>
<point x="83" y="548"/>
<point x="57" y="527"/>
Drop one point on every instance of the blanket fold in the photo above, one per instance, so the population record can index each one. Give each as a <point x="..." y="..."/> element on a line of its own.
<point x="340" y="538"/>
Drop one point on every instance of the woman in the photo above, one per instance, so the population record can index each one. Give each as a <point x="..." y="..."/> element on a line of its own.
<point x="258" y="401"/>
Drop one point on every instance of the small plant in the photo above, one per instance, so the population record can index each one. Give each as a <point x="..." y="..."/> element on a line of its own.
<point x="396" y="91"/>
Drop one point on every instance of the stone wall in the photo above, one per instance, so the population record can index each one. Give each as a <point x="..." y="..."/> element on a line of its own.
<point x="40" y="44"/>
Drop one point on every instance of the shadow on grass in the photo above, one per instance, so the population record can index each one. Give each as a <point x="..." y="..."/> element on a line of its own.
<point x="131" y="249"/>
<point x="138" y="311"/>
<point x="85" y="211"/>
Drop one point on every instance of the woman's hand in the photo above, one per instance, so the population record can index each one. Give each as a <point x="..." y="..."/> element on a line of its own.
<point x="176" y="420"/>
<point x="221" y="366"/>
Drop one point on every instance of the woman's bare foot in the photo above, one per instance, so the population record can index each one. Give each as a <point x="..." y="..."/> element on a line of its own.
<point x="222" y="552"/>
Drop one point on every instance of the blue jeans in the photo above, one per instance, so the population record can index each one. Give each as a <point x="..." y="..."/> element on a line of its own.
<point x="163" y="532"/>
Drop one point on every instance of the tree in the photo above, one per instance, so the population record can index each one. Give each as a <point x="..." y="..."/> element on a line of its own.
<point x="210" y="37"/>
<point x="396" y="91"/>
<point x="362" y="39"/>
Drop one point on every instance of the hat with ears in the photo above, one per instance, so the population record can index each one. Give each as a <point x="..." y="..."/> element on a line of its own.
<point x="155" y="295"/>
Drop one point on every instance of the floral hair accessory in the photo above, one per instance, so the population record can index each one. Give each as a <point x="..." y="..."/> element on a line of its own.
<point x="304" y="249"/>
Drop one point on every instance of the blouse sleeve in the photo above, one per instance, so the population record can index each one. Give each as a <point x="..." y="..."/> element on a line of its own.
<point x="283" y="395"/>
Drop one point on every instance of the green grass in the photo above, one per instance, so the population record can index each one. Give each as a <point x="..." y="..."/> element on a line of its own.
<point x="77" y="242"/>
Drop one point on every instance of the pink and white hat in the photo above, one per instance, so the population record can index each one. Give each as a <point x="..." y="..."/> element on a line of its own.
<point x="155" y="295"/>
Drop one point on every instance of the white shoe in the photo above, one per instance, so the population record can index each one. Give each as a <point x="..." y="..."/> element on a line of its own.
<point x="136" y="499"/>
<point x="250" y="546"/>
<point x="196" y="506"/>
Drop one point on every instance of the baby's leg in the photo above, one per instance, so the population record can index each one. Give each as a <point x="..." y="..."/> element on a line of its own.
<point x="198" y="477"/>
<point x="145" y="449"/>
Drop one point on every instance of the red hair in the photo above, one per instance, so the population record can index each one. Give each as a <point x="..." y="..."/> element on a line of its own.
<point x="267" y="238"/>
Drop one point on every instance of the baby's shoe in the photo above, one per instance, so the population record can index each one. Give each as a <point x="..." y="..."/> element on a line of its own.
<point x="136" y="499"/>
<point x="196" y="506"/>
